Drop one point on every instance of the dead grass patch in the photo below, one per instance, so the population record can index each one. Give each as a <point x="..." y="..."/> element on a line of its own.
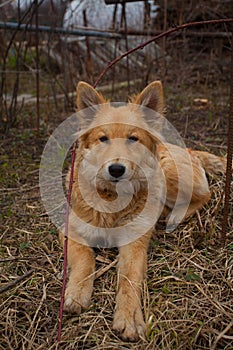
<point x="188" y="294"/>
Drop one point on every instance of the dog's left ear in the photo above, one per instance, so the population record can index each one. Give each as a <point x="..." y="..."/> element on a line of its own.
<point x="151" y="97"/>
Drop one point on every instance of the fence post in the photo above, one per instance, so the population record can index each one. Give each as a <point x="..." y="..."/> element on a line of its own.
<point x="229" y="158"/>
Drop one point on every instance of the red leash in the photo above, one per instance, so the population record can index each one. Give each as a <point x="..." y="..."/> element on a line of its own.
<point x="66" y="241"/>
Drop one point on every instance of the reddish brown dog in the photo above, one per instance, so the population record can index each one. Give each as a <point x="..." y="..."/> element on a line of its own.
<point x="129" y="127"/>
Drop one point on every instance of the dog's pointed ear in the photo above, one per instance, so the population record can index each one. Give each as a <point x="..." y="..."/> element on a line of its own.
<point x="87" y="96"/>
<point x="151" y="97"/>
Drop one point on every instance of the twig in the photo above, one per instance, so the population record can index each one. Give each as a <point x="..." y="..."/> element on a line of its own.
<point x="6" y="3"/>
<point x="16" y="281"/>
<point x="215" y="35"/>
<point x="66" y="242"/>
<point x="200" y="222"/>
<point x="168" y="32"/>
<point x="32" y="325"/>
<point x="105" y="269"/>
<point x="213" y="301"/>
<point x="89" y="63"/>
<point x="126" y="44"/>
<point x="226" y="329"/>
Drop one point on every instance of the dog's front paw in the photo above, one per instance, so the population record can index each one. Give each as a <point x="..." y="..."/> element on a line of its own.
<point x="172" y="222"/>
<point x="129" y="324"/>
<point x="77" y="297"/>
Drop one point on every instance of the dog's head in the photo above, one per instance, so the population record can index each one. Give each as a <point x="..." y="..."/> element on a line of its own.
<point x="118" y="142"/>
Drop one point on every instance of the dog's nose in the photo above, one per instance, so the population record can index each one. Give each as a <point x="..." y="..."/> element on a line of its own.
<point x="116" y="170"/>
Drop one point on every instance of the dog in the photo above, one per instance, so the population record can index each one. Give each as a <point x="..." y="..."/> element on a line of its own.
<point x="121" y="161"/>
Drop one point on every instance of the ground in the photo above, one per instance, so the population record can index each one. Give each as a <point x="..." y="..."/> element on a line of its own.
<point x="188" y="292"/>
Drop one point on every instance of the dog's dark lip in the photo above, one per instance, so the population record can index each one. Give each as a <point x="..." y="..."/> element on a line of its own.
<point x="119" y="179"/>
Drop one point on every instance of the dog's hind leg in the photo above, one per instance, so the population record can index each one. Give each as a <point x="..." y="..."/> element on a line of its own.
<point x="128" y="320"/>
<point x="181" y="212"/>
<point x="81" y="263"/>
<point x="211" y="163"/>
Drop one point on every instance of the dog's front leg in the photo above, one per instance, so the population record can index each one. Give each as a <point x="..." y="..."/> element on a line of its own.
<point x="128" y="320"/>
<point x="81" y="263"/>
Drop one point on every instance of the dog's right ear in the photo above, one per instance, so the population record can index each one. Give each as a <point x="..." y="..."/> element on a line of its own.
<point x="87" y="96"/>
<point x="151" y="97"/>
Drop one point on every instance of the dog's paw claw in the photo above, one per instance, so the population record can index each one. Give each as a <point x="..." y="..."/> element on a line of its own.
<point x="129" y="328"/>
<point x="77" y="299"/>
<point x="172" y="223"/>
<point x="71" y="305"/>
<point x="171" y="227"/>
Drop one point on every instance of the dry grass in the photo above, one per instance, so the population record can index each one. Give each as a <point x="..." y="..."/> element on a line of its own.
<point x="188" y="294"/>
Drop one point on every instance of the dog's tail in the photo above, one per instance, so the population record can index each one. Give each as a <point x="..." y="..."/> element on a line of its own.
<point x="212" y="164"/>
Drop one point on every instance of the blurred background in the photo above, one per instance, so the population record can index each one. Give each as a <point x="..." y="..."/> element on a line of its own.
<point x="47" y="46"/>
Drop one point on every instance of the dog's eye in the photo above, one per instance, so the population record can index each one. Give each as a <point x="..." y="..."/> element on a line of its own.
<point x="133" y="138"/>
<point x="104" y="139"/>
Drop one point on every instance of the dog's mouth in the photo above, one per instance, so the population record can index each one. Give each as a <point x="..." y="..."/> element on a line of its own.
<point x="115" y="180"/>
<point x="114" y="174"/>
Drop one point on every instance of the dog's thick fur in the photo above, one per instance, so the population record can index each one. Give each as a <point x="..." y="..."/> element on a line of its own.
<point x="128" y="319"/>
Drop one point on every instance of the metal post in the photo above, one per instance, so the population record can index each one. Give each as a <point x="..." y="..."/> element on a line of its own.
<point x="37" y="70"/>
<point x="229" y="158"/>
